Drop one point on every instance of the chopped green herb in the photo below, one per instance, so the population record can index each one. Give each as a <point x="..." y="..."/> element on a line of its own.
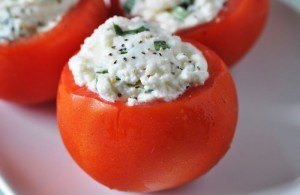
<point x="118" y="78"/>
<point x="160" y="45"/>
<point x="102" y="72"/>
<point x="149" y="91"/>
<point x="136" y="31"/>
<point x="128" y="5"/>
<point x="123" y="51"/>
<point x="180" y="13"/>
<point x="120" y="32"/>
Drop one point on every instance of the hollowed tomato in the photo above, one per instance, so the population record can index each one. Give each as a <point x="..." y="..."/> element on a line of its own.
<point x="153" y="146"/>
<point x="30" y="68"/>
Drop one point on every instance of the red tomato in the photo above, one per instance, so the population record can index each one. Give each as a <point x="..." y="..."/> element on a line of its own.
<point x="232" y="33"/>
<point x="154" y="146"/>
<point x="30" y="68"/>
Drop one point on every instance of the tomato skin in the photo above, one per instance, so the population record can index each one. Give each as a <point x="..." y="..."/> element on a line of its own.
<point x="30" y="68"/>
<point x="234" y="31"/>
<point x="150" y="147"/>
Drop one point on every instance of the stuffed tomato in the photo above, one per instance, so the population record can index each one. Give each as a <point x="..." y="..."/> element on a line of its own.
<point x="140" y="110"/>
<point x="229" y="27"/>
<point x="36" y="39"/>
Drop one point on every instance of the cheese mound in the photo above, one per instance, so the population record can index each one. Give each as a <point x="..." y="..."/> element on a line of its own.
<point x="137" y="62"/>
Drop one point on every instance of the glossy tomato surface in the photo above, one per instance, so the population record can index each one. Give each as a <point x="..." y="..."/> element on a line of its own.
<point x="154" y="146"/>
<point x="30" y="68"/>
<point x="232" y="33"/>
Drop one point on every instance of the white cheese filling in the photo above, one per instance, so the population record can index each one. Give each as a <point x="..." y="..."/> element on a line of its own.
<point x="174" y="15"/>
<point x="24" y="18"/>
<point x="137" y="62"/>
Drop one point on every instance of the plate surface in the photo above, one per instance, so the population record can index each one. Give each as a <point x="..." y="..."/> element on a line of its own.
<point x="265" y="155"/>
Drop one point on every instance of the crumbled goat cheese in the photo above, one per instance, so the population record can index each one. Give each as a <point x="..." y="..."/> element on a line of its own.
<point x="137" y="62"/>
<point x="174" y="15"/>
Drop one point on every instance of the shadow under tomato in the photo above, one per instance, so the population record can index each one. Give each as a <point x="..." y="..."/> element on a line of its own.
<point x="36" y="114"/>
<point x="44" y="108"/>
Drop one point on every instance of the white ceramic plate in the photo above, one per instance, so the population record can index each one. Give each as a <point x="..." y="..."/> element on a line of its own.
<point x="265" y="156"/>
